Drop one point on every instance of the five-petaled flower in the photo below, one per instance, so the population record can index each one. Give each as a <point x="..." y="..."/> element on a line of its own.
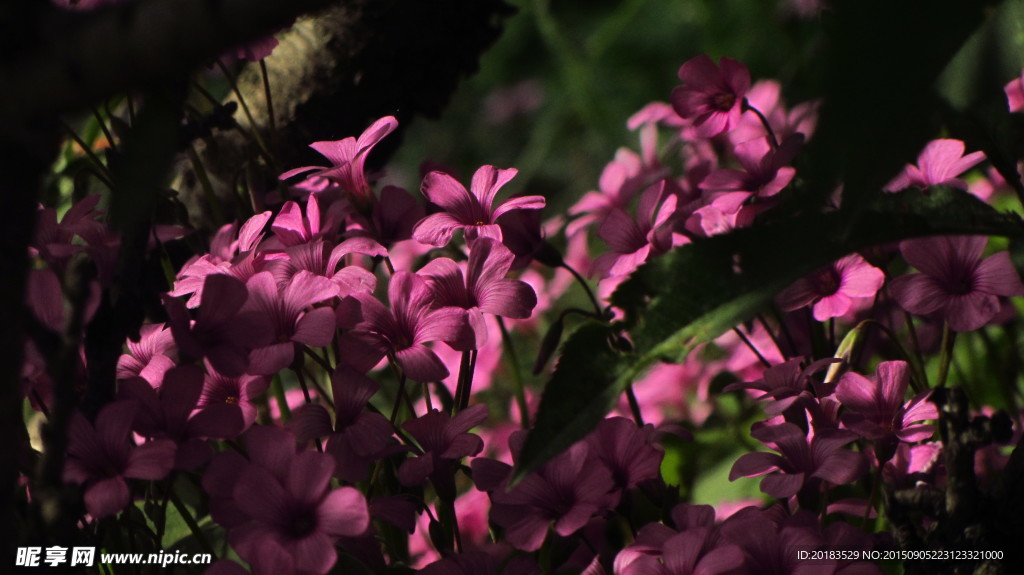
<point x="711" y="97"/>
<point x="471" y="212"/>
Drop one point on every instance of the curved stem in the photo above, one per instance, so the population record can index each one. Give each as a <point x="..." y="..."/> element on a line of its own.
<point x="764" y="121"/>
<point x="590" y="293"/>
<point x="749" y="344"/>
<point x="634" y="406"/>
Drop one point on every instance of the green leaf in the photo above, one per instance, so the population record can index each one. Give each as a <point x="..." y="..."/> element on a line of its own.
<point x="699" y="291"/>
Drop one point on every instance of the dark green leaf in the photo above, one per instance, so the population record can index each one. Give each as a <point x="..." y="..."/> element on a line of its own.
<point x="694" y="294"/>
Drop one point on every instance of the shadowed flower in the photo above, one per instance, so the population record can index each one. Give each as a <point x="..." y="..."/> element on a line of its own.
<point x="239" y="392"/>
<point x="483" y="289"/>
<point x="290" y="502"/>
<point x="444" y="440"/>
<point x="764" y="173"/>
<point x="149" y="357"/>
<point x="223" y="332"/>
<point x="408" y="325"/>
<point x="955" y="280"/>
<point x="711" y="97"/>
<point x="633" y="240"/>
<point x="874" y="408"/>
<point x="291" y="322"/>
<point x="939" y="164"/>
<point x="357" y="437"/>
<point x="832" y="288"/>
<point x="567" y="490"/>
<point x="801" y="464"/>
<point x="627" y="451"/>
<point x="102" y="457"/>
<point x="170" y="413"/>
<point x="470" y="212"/>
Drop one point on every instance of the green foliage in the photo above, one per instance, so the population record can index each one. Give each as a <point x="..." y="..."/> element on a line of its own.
<point x="699" y="291"/>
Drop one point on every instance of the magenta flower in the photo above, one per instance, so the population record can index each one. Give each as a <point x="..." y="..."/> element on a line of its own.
<point x="483" y="289"/>
<point x="347" y="158"/>
<point x="357" y="437"/>
<point x="633" y="240"/>
<point x="831" y="289"/>
<point x="392" y="218"/>
<point x="711" y="97"/>
<point x="291" y="323"/>
<point x="294" y="226"/>
<point x="408" y="325"/>
<point x="783" y="386"/>
<point x="289" y="501"/>
<point x="764" y="173"/>
<point x="238" y="392"/>
<point x="627" y="451"/>
<point x="470" y="212"/>
<point x="223" y="332"/>
<point x="170" y="413"/>
<point x="955" y="280"/>
<point x="567" y="490"/>
<point x="102" y="457"/>
<point x="874" y="407"/>
<point x="149" y="357"/>
<point x="621" y="180"/>
<point x="939" y="164"/>
<point x="444" y="441"/>
<point x="801" y="465"/>
<point x="769" y="545"/>
<point x="1015" y="93"/>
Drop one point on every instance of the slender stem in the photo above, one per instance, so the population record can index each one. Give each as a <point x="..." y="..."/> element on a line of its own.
<point x="389" y="265"/>
<point x="271" y="123"/>
<point x="248" y="113"/>
<point x="775" y="340"/>
<point x="785" y="330"/>
<point x="426" y="397"/>
<point x="282" y="401"/>
<point x="750" y="345"/>
<point x="192" y="525"/>
<point x="204" y="180"/>
<point x="322" y="362"/>
<point x="465" y="385"/>
<point x="517" y="376"/>
<point x="634" y="405"/>
<point x="913" y="335"/>
<point x="103" y="173"/>
<point x="948" y="341"/>
<point x="764" y="121"/>
<point x="832" y="333"/>
<point x="583" y="282"/>
<point x="103" y="127"/>
<point x="400" y="375"/>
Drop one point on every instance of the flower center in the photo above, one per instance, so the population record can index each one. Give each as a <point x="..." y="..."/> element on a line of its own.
<point x="828" y="282"/>
<point x="301" y="523"/>
<point x="231" y="400"/>
<point x="723" y="101"/>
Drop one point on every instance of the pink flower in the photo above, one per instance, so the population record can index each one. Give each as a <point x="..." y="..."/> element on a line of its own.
<point x="483" y="289"/>
<point x="408" y="325"/>
<point x="149" y="357"/>
<point x="291" y="322"/>
<point x="633" y="240"/>
<point x="711" y="96"/>
<point x="874" y="407"/>
<point x="223" y="332"/>
<point x="102" y="457"/>
<point x="1015" y="93"/>
<point x="470" y="212"/>
<point x="955" y="280"/>
<point x="286" y="499"/>
<point x="170" y="413"/>
<point x="348" y="157"/>
<point x="567" y="490"/>
<point x="444" y="440"/>
<point x="802" y="464"/>
<point x="831" y="289"/>
<point x="939" y="164"/>
<point x="627" y="451"/>
<point x="764" y="173"/>
<point x="238" y="392"/>
<point x="357" y="436"/>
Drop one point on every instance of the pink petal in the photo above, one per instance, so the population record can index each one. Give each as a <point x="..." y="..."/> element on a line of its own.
<point x="316" y="327"/>
<point x="754" y="464"/>
<point x="107" y="497"/>
<point x="270" y="359"/>
<point x="521" y="203"/>
<point x="918" y="293"/>
<point x="971" y="311"/>
<point x="436" y="229"/>
<point x="344" y="513"/>
<point x="152" y="460"/>
<point x="996" y="275"/>
<point x="782" y="485"/>
<point x="421" y="364"/>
